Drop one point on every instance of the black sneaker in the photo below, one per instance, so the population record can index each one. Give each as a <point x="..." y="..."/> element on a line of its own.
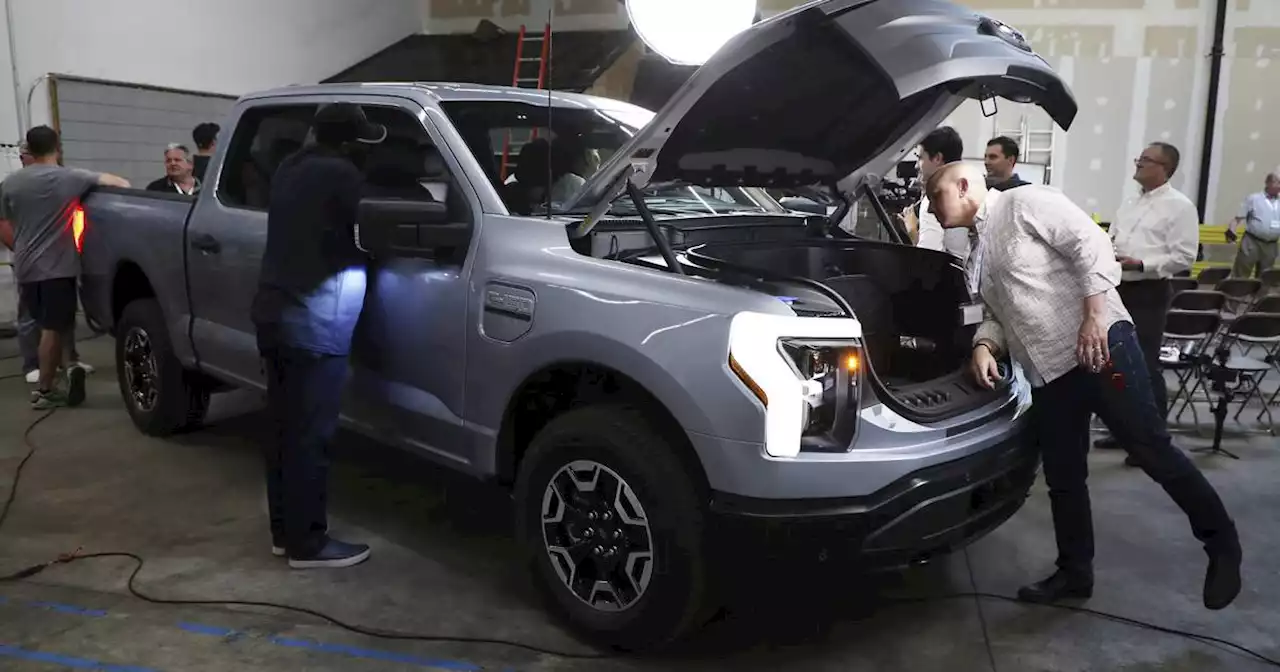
<point x="334" y="554"/>
<point x="75" y="386"/>
<point x="1107" y="443"/>
<point x="1060" y="586"/>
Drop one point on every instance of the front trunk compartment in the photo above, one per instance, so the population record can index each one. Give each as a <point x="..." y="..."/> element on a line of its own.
<point x="910" y="302"/>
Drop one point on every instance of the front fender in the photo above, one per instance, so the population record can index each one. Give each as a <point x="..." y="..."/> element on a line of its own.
<point x="679" y="355"/>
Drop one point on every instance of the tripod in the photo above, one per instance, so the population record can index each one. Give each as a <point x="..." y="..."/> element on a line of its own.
<point x="1221" y="377"/>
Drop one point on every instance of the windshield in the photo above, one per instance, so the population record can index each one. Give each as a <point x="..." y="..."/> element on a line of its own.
<point x="539" y="158"/>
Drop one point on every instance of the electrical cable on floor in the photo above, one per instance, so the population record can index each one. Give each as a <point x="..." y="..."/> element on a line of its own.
<point x="139" y="563"/>
<point x="982" y="618"/>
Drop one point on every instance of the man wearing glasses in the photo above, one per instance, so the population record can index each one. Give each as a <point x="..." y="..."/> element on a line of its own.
<point x="1155" y="234"/>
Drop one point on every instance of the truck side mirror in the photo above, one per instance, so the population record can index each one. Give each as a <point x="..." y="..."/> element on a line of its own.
<point x="407" y="228"/>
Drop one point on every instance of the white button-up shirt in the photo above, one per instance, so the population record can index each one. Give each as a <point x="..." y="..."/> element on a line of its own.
<point x="1160" y="228"/>
<point x="933" y="237"/>
<point x="1041" y="256"/>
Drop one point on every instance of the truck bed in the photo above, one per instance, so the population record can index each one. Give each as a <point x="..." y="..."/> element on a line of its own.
<point x="127" y="230"/>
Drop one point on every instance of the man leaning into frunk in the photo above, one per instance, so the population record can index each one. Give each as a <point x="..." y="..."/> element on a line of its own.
<point x="1048" y="279"/>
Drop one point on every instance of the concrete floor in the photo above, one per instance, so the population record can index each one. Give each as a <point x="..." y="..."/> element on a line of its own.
<point x="193" y="507"/>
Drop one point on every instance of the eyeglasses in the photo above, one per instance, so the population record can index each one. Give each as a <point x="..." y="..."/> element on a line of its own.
<point x="1143" y="160"/>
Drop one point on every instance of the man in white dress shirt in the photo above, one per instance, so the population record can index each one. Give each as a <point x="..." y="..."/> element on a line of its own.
<point x="942" y="146"/>
<point x="1047" y="278"/>
<point x="1156" y="234"/>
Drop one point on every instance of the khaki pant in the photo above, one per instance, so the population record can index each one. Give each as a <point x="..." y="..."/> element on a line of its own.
<point x="1254" y="256"/>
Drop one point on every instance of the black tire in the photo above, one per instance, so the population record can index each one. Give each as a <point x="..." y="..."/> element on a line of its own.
<point x="621" y="439"/>
<point x="179" y="401"/>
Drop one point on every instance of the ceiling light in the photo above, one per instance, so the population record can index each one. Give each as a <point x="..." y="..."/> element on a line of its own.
<point x="688" y="32"/>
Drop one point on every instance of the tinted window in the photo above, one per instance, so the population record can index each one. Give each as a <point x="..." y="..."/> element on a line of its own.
<point x="408" y="164"/>
<point x="539" y="157"/>
<point x="263" y="138"/>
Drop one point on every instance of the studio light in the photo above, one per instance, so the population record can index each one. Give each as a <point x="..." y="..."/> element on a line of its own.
<point x="688" y="32"/>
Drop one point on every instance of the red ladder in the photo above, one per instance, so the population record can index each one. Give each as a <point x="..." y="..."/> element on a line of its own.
<point x="521" y="78"/>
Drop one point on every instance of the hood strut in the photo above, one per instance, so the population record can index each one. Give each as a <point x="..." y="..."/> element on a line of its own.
<point x="655" y="231"/>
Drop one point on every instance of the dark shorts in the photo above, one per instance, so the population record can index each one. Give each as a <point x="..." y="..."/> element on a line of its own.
<point x="51" y="303"/>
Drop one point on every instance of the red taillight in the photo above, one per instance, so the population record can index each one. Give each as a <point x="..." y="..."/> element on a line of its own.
<point x="77" y="226"/>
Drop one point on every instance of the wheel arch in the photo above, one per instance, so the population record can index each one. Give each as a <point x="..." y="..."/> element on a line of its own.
<point x="559" y="387"/>
<point x="128" y="284"/>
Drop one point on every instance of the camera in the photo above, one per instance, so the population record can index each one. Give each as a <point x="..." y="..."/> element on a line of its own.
<point x="903" y="189"/>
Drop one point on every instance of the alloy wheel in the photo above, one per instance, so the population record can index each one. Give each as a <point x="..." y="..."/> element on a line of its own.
<point x="140" y="369"/>
<point x="597" y="536"/>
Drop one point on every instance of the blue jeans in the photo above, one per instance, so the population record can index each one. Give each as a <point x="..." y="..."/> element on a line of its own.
<point x="1121" y="395"/>
<point x="304" y="393"/>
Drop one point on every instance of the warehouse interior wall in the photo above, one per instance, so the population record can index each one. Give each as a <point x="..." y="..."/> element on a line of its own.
<point x="230" y="47"/>
<point x="1139" y="69"/>
<point x="461" y="16"/>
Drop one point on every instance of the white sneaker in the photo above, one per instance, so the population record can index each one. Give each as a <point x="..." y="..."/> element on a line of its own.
<point x="33" y="376"/>
<point x="88" y="368"/>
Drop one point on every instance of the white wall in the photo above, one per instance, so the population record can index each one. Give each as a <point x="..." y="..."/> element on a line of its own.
<point x="224" y="46"/>
<point x="1139" y="69"/>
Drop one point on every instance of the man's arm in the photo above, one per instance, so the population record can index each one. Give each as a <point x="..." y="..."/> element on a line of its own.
<point x="991" y="334"/>
<point x="1066" y="228"/>
<point x="1241" y="218"/>
<point x="1180" y="244"/>
<point x="109" y="180"/>
<point x="6" y="233"/>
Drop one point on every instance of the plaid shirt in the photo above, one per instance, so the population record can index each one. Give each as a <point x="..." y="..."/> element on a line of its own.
<point x="1039" y="256"/>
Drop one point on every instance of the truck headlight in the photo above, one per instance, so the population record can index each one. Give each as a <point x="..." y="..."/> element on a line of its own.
<point x="789" y="363"/>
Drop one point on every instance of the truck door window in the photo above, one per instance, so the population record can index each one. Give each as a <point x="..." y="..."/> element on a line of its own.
<point x="263" y="138"/>
<point x="407" y="164"/>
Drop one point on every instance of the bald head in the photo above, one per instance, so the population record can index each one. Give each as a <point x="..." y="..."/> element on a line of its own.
<point x="956" y="191"/>
<point x="1273" y="184"/>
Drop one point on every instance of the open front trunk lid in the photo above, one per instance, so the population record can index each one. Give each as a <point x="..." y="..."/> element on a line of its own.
<point x="830" y="93"/>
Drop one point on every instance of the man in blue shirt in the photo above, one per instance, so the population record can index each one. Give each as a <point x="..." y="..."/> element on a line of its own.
<point x="310" y="294"/>
<point x="1260" y="214"/>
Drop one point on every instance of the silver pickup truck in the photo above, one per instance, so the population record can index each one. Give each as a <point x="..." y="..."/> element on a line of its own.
<point x="679" y="380"/>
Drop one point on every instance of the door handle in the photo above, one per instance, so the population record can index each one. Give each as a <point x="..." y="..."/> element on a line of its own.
<point x="206" y="243"/>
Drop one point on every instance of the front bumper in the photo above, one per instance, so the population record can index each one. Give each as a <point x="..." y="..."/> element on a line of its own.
<point x="925" y="514"/>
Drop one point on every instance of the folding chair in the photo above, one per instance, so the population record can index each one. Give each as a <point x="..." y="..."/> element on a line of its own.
<point x="1270" y="281"/>
<point x="1184" y="284"/>
<point x="1213" y="275"/>
<point x="1232" y="375"/>
<point x="1240" y="292"/>
<point x="1187" y="334"/>
<point x="1199" y="300"/>
<point x="1266" y="304"/>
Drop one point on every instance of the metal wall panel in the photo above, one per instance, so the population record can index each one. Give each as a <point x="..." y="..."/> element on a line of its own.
<point x="122" y="128"/>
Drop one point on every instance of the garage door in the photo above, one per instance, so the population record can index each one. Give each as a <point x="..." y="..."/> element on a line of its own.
<point x="123" y="128"/>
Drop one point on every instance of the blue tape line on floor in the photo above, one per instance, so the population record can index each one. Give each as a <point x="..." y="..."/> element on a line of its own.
<point x="374" y="654"/>
<point x="201" y="629"/>
<point x="228" y="633"/>
<point x="66" y="661"/>
<point x="69" y="609"/>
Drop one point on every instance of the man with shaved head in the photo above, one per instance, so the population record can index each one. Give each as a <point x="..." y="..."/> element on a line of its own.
<point x="1048" y="274"/>
<point x="1260" y="215"/>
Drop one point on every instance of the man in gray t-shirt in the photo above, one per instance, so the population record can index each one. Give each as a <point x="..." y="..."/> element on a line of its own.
<point x="38" y="206"/>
